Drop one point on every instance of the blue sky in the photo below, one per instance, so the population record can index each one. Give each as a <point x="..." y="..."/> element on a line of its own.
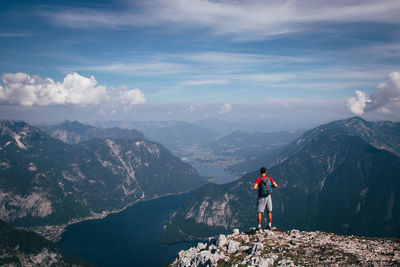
<point x="194" y="59"/>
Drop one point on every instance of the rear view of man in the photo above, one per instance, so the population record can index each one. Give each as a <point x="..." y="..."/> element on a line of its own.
<point x="263" y="184"/>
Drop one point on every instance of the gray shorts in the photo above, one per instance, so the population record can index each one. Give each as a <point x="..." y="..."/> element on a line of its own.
<point x="264" y="201"/>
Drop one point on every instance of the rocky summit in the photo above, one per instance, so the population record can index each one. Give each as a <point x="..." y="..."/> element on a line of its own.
<point x="290" y="248"/>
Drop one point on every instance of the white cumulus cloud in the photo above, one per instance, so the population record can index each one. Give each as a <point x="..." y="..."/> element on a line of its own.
<point x="75" y="89"/>
<point x="386" y="99"/>
<point x="132" y="97"/>
<point x="358" y="103"/>
<point x="226" y="108"/>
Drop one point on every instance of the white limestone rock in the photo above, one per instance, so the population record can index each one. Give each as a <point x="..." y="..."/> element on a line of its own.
<point x="257" y="249"/>
<point x="206" y="258"/>
<point x="221" y="242"/>
<point x="201" y="246"/>
<point x="236" y="232"/>
<point x="233" y="246"/>
<point x="286" y="263"/>
<point x="245" y="239"/>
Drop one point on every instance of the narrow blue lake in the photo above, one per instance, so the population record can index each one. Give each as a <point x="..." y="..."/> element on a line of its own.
<point x="127" y="238"/>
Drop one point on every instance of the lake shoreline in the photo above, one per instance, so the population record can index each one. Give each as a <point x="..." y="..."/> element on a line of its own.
<point x="127" y="238"/>
<point x="54" y="232"/>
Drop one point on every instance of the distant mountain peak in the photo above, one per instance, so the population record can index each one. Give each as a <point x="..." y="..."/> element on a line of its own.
<point x="353" y="121"/>
<point x="355" y="118"/>
<point x="13" y="123"/>
<point x="75" y="126"/>
<point x="382" y="135"/>
<point x="19" y="133"/>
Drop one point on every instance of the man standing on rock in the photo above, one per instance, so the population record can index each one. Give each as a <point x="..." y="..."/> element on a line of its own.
<point x="263" y="184"/>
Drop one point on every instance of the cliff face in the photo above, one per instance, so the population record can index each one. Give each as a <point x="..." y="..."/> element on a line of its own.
<point x="291" y="248"/>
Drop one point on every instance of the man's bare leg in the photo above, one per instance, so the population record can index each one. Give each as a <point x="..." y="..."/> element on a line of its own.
<point x="269" y="219"/>
<point x="259" y="217"/>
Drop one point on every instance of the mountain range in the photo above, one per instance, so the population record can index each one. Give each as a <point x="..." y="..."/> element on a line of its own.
<point x="340" y="177"/>
<point x="215" y="154"/>
<point x="46" y="182"/>
<point x="382" y="135"/>
<point x="76" y="132"/>
<point x="175" y="135"/>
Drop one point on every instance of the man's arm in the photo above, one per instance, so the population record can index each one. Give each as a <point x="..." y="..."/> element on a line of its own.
<point x="255" y="186"/>
<point x="274" y="184"/>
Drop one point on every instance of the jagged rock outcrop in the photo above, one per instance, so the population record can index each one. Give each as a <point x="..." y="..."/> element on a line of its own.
<point x="290" y="248"/>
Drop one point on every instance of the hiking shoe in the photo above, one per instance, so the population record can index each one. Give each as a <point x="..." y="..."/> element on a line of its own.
<point x="269" y="227"/>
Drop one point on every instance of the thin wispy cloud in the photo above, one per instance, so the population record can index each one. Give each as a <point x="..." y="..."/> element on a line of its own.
<point x="13" y="34"/>
<point x="204" y="82"/>
<point x="268" y="18"/>
<point x="323" y="79"/>
<point x="195" y="63"/>
<point x="383" y="51"/>
<point x="143" y="68"/>
<point x="241" y="58"/>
